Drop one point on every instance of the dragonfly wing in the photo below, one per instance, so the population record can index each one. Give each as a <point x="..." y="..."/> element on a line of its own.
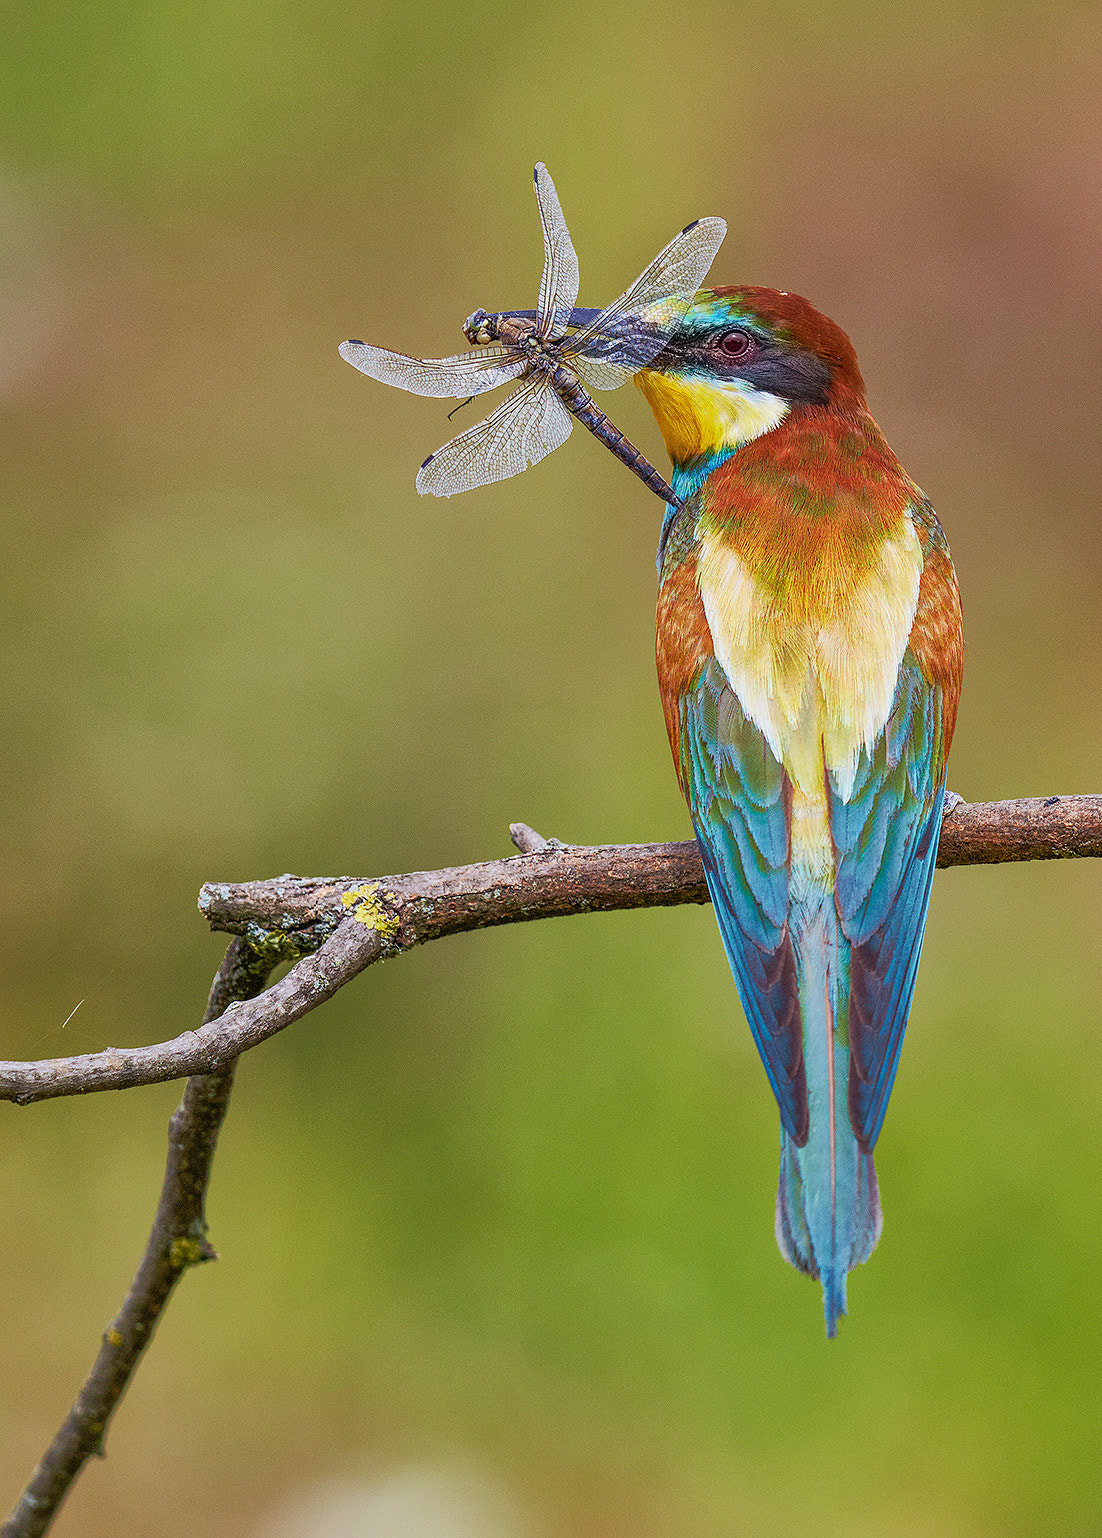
<point x="634" y="328"/>
<point x="559" y="282"/>
<point x="524" y="429"/>
<point x="467" y="373"/>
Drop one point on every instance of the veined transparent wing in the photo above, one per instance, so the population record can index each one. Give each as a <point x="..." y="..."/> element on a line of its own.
<point x="559" y="280"/>
<point x="524" y="429"/>
<point x="467" y="373"/>
<point x="635" y="327"/>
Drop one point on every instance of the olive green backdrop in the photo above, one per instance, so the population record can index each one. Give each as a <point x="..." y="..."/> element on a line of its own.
<point x="496" y="1225"/>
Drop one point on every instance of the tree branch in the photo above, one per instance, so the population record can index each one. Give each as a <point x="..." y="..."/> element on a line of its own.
<point x="333" y="929"/>
<point x="178" y="1240"/>
<point x="339" y="926"/>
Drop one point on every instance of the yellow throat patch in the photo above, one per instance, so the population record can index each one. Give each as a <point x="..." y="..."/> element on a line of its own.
<point x="700" y="416"/>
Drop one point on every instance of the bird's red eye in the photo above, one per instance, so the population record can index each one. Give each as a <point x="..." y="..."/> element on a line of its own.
<point x="735" y="344"/>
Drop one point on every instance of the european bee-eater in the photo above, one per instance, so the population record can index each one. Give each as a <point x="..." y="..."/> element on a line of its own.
<point x="809" y="657"/>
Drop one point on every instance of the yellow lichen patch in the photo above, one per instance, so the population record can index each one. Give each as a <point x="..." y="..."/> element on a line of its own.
<point x="367" y="909"/>
<point x="112" y="1337"/>
<point x="186" y="1251"/>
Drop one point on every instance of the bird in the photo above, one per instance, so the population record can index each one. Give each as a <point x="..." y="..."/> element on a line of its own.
<point x="809" y="648"/>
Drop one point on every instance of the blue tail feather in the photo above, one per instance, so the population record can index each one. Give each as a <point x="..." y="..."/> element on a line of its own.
<point x="823" y="941"/>
<point x="828" y="1205"/>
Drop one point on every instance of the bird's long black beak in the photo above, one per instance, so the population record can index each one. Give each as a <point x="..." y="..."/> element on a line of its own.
<point x="577" y="317"/>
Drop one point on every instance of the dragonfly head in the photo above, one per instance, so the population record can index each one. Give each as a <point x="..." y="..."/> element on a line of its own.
<point x="480" y="328"/>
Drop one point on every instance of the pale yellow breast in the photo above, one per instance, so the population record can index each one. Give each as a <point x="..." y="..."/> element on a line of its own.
<point x="818" y="686"/>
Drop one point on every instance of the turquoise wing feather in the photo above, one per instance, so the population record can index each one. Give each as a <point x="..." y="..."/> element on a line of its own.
<point x="739" y="798"/>
<point x="885" y="836"/>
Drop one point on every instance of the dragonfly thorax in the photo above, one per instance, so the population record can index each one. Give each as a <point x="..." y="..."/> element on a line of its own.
<point x="517" y="331"/>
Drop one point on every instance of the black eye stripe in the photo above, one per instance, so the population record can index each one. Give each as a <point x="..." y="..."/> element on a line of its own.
<point x="778" y="366"/>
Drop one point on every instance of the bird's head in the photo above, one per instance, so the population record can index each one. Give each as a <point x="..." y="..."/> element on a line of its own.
<point x="740" y="362"/>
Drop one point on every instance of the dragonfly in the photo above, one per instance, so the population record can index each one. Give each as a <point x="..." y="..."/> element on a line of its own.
<point x="555" y="353"/>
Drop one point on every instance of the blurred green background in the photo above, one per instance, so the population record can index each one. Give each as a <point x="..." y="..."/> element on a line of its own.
<point x="496" y="1225"/>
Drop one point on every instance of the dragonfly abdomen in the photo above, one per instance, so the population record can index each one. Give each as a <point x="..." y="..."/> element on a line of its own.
<point x="577" y="399"/>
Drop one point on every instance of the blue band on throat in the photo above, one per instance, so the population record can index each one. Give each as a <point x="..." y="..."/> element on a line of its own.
<point x="686" y="479"/>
